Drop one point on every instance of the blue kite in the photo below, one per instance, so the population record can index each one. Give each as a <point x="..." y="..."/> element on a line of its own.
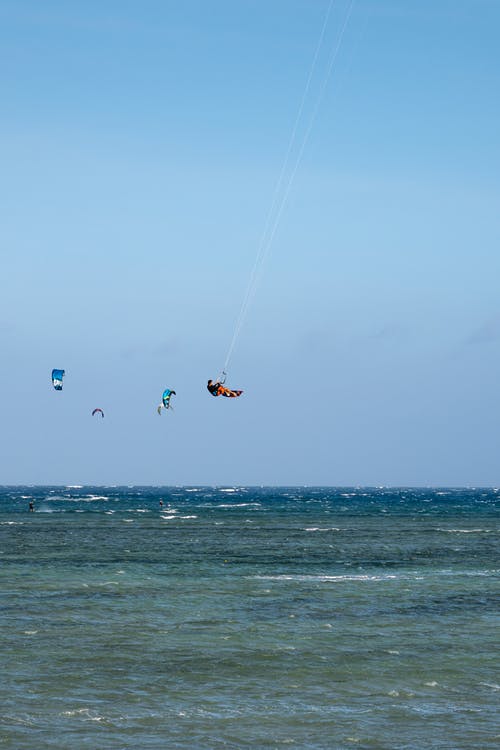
<point x="57" y="379"/>
<point x="165" y="400"/>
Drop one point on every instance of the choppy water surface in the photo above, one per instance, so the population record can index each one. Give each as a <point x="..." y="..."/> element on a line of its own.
<point x="242" y="617"/>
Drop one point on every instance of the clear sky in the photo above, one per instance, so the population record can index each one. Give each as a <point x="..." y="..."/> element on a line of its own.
<point x="140" y="146"/>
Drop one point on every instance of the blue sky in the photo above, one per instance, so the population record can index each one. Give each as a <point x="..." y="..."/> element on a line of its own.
<point x="140" y="146"/>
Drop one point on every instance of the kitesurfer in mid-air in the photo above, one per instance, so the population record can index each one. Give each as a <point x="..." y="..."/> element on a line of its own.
<point x="217" y="388"/>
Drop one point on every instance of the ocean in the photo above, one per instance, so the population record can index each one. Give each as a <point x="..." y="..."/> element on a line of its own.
<point x="237" y="617"/>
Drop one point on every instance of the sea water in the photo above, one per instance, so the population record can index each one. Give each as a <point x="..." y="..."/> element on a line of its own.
<point x="249" y="618"/>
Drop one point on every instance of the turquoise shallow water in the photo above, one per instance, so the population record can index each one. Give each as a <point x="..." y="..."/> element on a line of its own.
<point x="240" y="617"/>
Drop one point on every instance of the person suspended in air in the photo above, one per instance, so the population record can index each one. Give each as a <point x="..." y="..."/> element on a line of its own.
<point x="217" y="388"/>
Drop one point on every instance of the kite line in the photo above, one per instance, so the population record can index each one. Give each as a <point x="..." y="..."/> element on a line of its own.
<point x="278" y="203"/>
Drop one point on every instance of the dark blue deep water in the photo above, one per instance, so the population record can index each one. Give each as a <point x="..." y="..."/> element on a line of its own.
<point x="249" y="618"/>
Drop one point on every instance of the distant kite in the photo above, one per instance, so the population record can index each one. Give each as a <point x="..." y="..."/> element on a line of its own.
<point x="100" y="412"/>
<point x="57" y="379"/>
<point x="165" y="400"/>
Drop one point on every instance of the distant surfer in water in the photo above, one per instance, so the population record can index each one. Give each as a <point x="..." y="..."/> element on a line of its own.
<point x="32" y="506"/>
<point x="161" y="504"/>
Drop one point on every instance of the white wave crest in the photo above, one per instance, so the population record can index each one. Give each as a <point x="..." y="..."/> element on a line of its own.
<point x="465" y="531"/>
<point x="321" y="528"/>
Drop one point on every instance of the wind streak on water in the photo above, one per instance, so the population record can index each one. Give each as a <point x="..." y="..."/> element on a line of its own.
<point x="321" y="618"/>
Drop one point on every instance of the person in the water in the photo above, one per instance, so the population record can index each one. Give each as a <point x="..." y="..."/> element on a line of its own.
<point x="32" y="506"/>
